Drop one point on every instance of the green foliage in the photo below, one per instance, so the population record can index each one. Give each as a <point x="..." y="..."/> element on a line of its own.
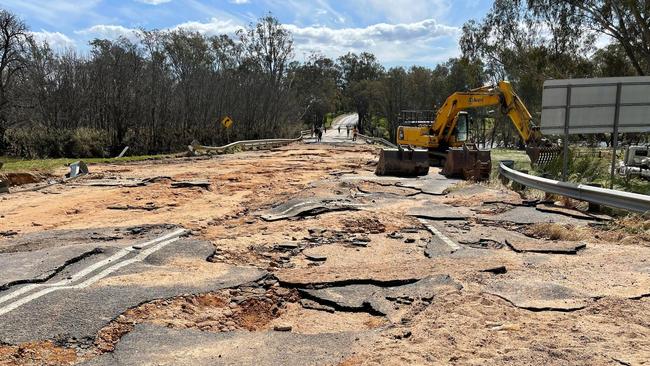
<point x="588" y="167"/>
<point x="632" y="184"/>
<point x="41" y="143"/>
<point x="87" y="142"/>
<point x="584" y="166"/>
<point x="378" y="127"/>
<point x="359" y="84"/>
<point x="623" y="21"/>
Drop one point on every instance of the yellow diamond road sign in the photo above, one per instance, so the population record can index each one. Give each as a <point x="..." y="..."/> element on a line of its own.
<point x="226" y="122"/>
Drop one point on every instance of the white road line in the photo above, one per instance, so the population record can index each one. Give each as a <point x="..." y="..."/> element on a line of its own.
<point x="49" y="287"/>
<point x="90" y="268"/>
<point x="439" y="234"/>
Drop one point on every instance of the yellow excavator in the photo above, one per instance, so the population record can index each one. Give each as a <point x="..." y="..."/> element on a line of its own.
<point x="445" y="139"/>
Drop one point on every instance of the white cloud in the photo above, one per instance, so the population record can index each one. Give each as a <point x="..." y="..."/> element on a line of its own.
<point x="214" y="27"/>
<point x="154" y="2"/>
<point x="424" y="41"/>
<point x="371" y="35"/>
<point x="57" y="41"/>
<point x="109" y="31"/>
<point x="390" y="42"/>
<point x="603" y="40"/>
<point x="240" y="2"/>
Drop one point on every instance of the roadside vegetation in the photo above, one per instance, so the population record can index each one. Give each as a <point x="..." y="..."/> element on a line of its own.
<point x="585" y="165"/>
<point x="13" y="164"/>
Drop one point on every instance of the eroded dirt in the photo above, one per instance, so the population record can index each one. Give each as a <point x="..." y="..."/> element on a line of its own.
<point x="485" y="319"/>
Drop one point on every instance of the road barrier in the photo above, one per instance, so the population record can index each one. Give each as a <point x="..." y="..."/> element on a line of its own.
<point x="195" y="148"/>
<point x="601" y="196"/>
<point x="377" y="140"/>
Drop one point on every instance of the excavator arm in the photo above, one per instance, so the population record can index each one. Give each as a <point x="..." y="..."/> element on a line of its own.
<point x="502" y="95"/>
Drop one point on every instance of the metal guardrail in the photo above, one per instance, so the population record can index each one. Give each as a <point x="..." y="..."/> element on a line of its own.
<point x="378" y="140"/>
<point x="602" y="196"/>
<point x="195" y="148"/>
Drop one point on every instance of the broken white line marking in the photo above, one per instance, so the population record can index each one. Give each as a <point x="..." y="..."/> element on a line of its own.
<point x="158" y="243"/>
<point x="439" y="234"/>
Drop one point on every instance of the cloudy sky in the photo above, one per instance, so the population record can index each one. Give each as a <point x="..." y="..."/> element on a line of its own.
<point x="399" y="32"/>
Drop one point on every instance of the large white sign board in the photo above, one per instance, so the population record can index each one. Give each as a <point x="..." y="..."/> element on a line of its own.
<point x="592" y="105"/>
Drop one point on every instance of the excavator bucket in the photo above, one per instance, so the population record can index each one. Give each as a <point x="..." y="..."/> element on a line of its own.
<point x="542" y="155"/>
<point x="403" y="162"/>
<point x="468" y="162"/>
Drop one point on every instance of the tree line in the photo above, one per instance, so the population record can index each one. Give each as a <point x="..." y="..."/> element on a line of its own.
<point x="163" y="89"/>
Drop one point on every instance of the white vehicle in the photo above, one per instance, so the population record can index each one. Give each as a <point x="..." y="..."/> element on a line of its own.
<point x="636" y="162"/>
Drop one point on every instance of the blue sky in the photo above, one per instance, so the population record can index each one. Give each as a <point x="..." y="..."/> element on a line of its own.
<point x="399" y="32"/>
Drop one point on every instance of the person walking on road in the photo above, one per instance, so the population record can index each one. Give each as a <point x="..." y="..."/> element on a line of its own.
<point x="354" y="133"/>
<point x="319" y="135"/>
<point x="339" y="129"/>
<point x="348" y="129"/>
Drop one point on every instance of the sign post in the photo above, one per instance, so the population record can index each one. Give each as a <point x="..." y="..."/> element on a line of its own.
<point x="227" y="122"/>
<point x="617" y="116"/>
<point x="565" y="139"/>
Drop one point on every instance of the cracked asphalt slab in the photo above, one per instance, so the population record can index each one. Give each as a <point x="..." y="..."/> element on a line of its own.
<point x="79" y="313"/>
<point x="190" y="347"/>
<point x="37" y="257"/>
<point x="383" y="300"/>
<point x="478" y="275"/>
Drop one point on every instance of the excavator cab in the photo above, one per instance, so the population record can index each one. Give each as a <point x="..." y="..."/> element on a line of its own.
<point x="465" y="159"/>
<point x="461" y="130"/>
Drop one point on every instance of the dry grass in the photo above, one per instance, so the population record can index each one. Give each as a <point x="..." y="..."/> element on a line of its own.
<point x="633" y="224"/>
<point x="553" y="231"/>
<point x="629" y="230"/>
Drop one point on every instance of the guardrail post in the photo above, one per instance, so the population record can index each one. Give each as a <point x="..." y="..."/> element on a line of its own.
<point x="510" y="164"/>
<point x="547" y="196"/>
<point x="594" y="207"/>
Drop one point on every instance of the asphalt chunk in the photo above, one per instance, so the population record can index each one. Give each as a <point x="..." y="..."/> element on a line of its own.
<point x="192" y="347"/>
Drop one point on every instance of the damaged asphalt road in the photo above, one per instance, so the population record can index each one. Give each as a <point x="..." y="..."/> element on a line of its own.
<point x="76" y="303"/>
<point x="301" y="255"/>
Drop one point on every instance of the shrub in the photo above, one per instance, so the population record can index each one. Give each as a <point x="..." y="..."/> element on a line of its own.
<point x="56" y="143"/>
<point x="87" y="142"/>
<point x="583" y="166"/>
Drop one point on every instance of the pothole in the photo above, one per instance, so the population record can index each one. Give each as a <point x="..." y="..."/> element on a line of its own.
<point x="260" y="306"/>
<point x="248" y="308"/>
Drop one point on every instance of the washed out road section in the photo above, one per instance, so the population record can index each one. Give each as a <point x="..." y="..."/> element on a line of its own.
<point x="77" y="307"/>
